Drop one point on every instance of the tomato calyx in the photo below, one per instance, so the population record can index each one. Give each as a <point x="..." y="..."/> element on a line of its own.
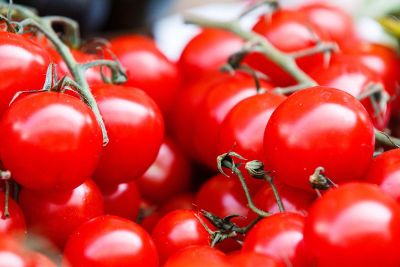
<point x="319" y="181"/>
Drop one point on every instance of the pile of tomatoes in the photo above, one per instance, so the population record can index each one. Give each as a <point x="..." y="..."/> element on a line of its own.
<point x="153" y="195"/>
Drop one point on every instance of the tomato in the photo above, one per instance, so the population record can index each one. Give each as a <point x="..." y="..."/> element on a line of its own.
<point x="176" y="230"/>
<point x="354" y="225"/>
<point x="318" y="127"/>
<point x="251" y="259"/>
<point x="288" y="31"/>
<point x="211" y="112"/>
<point x="147" y="68"/>
<point x="167" y="176"/>
<point x="207" y="52"/>
<point x="50" y="141"/>
<point x="13" y="254"/>
<point x="135" y="128"/>
<point x="243" y="127"/>
<point x="198" y="256"/>
<point x="24" y="66"/>
<point x="354" y="78"/>
<point x="121" y="200"/>
<point x="183" y="201"/>
<point x="110" y="241"/>
<point x="385" y="172"/>
<point x="49" y="211"/>
<point x="279" y="236"/>
<point x="14" y="225"/>
<point x="333" y="21"/>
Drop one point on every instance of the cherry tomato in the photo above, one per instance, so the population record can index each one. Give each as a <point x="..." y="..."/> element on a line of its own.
<point x="176" y="230"/>
<point x="279" y="236"/>
<point x="354" y="225"/>
<point x="147" y="68"/>
<point x="184" y="201"/>
<point x="243" y="127"/>
<point x="50" y="141"/>
<point x="49" y="211"/>
<point x="135" y="128"/>
<point x="14" y="225"/>
<point x="198" y="256"/>
<point x="385" y="172"/>
<point x="219" y="100"/>
<point x="121" y="200"/>
<point x="318" y="127"/>
<point x="251" y="259"/>
<point x="168" y="175"/>
<point x="24" y="66"/>
<point x="110" y="241"/>
<point x="207" y="52"/>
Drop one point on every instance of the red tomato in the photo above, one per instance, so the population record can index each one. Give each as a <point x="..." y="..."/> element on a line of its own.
<point x="50" y="141"/>
<point x="121" y="200"/>
<point x="47" y="212"/>
<point x="334" y="22"/>
<point x="211" y="112"/>
<point x="385" y="172"/>
<point x="24" y="66"/>
<point x="289" y="31"/>
<point x="279" y="236"/>
<point x="147" y="68"/>
<point x="198" y="256"/>
<point x="110" y="241"/>
<point x="184" y="201"/>
<point x="177" y="230"/>
<point x="243" y="127"/>
<point x="354" y="225"/>
<point x="251" y="259"/>
<point x="207" y="52"/>
<point x="318" y="127"/>
<point x="167" y="176"/>
<point x="136" y="130"/>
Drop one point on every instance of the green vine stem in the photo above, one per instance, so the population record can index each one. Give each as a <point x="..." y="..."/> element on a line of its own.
<point x="5" y="176"/>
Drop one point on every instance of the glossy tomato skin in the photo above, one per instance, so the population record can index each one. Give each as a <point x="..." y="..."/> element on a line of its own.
<point x="122" y="200"/>
<point x="216" y="104"/>
<point x="318" y="126"/>
<point x="110" y="241"/>
<point x="23" y="67"/>
<point x="354" y="225"/>
<point x="177" y="230"/>
<point x="147" y="68"/>
<point x="48" y="212"/>
<point x="198" y="256"/>
<point x="184" y="201"/>
<point x="135" y="128"/>
<point x="252" y="259"/>
<point x="207" y="52"/>
<point x="244" y="126"/>
<point x="385" y="172"/>
<point x="279" y="236"/>
<point x="12" y="253"/>
<point x="50" y="141"/>
<point x="167" y="176"/>
<point x="15" y="224"/>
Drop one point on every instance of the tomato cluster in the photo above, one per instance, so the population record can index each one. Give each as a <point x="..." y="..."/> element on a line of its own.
<point x="309" y="185"/>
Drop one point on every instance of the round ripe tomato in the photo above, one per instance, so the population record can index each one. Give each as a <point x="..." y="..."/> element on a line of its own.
<point x="121" y="200"/>
<point x="211" y="112"/>
<point x="50" y="141"/>
<point x="207" y="52"/>
<point x="183" y="201"/>
<point x="110" y="241"/>
<point x="243" y="127"/>
<point x="47" y="212"/>
<point x="136" y="130"/>
<point x="23" y="67"/>
<point x="354" y="225"/>
<point x="279" y="236"/>
<point x="252" y="259"/>
<point x="14" y="225"/>
<point x="289" y="31"/>
<point x="318" y="127"/>
<point x="167" y="176"/>
<point x="198" y="256"/>
<point x="385" y="172"/>
<point x="148" y="69"/>
<point x="177" y="230"/>
<point x="333" y="21"/>
<point x="353" y="78"/>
